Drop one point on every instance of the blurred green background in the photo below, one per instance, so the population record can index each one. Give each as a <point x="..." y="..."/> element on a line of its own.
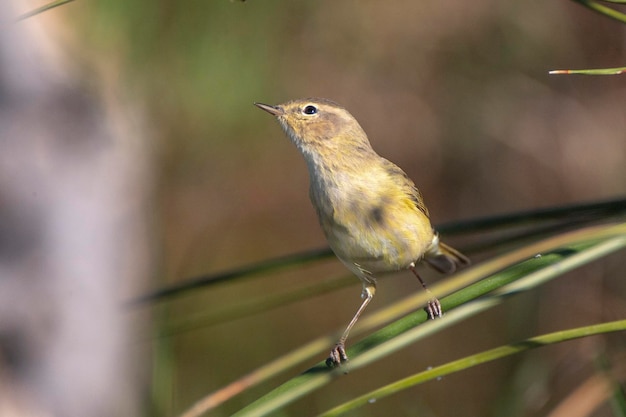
<point x="457" y="93"/>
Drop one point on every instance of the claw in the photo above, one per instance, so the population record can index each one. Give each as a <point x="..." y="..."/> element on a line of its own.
<point x="433" y="309"/>
<point x="337" y="356"/>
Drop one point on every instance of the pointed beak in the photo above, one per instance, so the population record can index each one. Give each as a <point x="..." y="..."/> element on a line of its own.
<point x="273" y="110"/>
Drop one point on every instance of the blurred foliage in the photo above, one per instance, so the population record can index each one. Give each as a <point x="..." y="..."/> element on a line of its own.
<point x="456" y="93"/>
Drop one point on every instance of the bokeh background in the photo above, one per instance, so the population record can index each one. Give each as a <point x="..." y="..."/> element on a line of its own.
<point x="457" y="93"/>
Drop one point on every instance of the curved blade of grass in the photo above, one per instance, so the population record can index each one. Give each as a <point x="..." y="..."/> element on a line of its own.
<point x="43" y="8"/>
<point x="603" y="10"/>
<point x="461" y="280"/>
<point x="598" y="71"/>
<point x="257" y="305"/>
<point x="270" y="265"/>
<point x="475" y="360"/>
<point x="403" y="307"/>
<point x="602" y="210"/>
<point x="318" y="376"/>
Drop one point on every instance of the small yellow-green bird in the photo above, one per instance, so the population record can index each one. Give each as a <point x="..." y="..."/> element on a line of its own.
<point x="372" y="214"/>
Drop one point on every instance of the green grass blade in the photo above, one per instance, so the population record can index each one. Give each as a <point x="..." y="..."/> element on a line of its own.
<point x="475" y="360"/>
<point x="43" y="8"/>
<point x="257" y="305"/>
<point x="403" y="307"/>
<point x="603" y="10"/>
<point x="319" y="375"/>
<point x="599" y="71"/>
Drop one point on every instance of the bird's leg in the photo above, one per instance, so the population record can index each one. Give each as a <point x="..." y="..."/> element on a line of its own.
<point x="338" y="353"/>
<point x="433" y="308"/>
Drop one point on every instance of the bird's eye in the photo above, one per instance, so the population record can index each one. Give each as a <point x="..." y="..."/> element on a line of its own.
<point x="309" y="109"/>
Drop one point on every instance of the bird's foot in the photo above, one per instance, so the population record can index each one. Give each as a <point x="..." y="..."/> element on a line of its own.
<point x="433" y="309"/>
<point x="337" y="356"/>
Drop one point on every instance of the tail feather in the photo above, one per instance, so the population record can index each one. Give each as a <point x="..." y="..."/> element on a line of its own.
<point x="444" y="258"/>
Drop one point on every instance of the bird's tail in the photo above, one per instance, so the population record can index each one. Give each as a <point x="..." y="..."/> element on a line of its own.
<point x="444" y="258"/>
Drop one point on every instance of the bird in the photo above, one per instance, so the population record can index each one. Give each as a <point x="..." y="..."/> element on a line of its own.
<point x="372" y="214"/>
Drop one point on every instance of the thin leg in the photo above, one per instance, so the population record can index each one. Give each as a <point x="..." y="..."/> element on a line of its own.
<point x="338" y="353"/>
<point x="433" y="308"/>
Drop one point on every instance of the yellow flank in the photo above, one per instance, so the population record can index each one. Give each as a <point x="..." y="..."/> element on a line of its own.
<point x="372" y="214"/>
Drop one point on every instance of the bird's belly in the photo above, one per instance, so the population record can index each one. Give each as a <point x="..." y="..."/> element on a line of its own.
<point x="378" y="248"/>
<point x="371" y="225"/>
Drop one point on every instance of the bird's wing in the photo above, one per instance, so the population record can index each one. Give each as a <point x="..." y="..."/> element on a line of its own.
<point x="407" y="185"/>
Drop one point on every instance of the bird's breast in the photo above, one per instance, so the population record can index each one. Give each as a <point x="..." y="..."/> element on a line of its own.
<point x="376" y="228"/>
